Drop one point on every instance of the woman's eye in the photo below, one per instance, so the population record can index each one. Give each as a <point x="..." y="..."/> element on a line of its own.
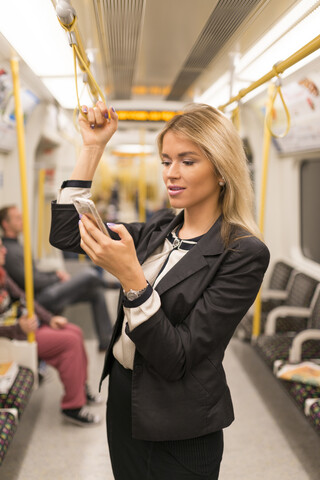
<point x="188" y="162"/>
<point x="165" y="163"/>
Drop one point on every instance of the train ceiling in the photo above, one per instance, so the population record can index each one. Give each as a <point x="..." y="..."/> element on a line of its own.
<point x="169" y="49"/>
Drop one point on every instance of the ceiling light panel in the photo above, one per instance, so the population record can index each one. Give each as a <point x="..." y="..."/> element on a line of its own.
<point x="32" y="28"/>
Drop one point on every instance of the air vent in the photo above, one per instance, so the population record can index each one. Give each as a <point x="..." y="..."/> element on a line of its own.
<point x="119" y="24"/>
<point x="223" y="22"/>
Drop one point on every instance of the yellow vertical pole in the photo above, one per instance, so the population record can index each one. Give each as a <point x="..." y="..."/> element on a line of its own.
<point x="41" y="179"/>
<point x="265" y="165"/>
<point x="142" y="181"/>
<point x="24" y="194"/>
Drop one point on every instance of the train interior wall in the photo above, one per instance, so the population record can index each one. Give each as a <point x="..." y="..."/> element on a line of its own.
<point x="53" y="143"/>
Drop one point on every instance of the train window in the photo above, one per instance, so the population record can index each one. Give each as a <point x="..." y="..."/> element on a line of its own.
<point x="310" y="205"/>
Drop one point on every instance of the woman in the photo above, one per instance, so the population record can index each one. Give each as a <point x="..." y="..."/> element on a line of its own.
<point x="60" y="344"/>
<point x="187" y="281"/>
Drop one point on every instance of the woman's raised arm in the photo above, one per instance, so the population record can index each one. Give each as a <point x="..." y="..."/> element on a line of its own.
<point x="96" y="127"/>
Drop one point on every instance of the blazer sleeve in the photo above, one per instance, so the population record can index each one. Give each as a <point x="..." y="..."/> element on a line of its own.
<point x="172" y="350"/>
<point x="65" y="235"/>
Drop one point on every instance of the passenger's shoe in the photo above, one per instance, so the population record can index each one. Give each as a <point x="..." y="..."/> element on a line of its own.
<point x="81" y="417"/>
<point x="93" y="399"/>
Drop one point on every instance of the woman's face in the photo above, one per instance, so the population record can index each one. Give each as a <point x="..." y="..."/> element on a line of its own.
<point x="188" y="175"/>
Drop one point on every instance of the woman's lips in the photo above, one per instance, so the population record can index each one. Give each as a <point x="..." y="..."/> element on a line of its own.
<point x="175" y="190"/>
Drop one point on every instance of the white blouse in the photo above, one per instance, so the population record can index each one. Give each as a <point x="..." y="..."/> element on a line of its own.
<point x="155" y="268"/>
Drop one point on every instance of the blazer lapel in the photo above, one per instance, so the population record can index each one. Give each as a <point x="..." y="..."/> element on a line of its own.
<point x="200" y="256"/>
<point x="158" y="237"/>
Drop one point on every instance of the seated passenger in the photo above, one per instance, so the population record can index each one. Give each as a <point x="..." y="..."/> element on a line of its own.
<point x="60" y="344"/>
<point x="55" y="290"/>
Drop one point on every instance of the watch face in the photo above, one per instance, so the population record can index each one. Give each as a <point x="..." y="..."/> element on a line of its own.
<point x="132" y="295"/>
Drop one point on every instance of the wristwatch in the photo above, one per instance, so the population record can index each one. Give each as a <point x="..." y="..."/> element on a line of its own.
<point x="134" y="294"/>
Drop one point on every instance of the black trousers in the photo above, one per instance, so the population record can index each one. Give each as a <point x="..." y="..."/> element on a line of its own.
<point x="85" y="286"/>
<point x="131" y="459"/>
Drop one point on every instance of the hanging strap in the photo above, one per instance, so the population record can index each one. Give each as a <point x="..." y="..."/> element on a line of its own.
<point x="235" y="117"/>
<point x="84" y="66"/>
<point x="270" y="111"/>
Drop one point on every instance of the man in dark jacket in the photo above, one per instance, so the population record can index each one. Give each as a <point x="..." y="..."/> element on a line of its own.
<point x="55" y="290"/>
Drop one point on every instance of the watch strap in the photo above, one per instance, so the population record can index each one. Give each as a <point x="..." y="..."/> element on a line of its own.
<point x="146" y="293"/>
<point x="76" y="183"/>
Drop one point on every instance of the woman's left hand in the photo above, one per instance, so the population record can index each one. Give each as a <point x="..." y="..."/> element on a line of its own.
<point x="116" y="256"/>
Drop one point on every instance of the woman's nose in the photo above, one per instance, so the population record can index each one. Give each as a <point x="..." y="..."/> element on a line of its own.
<point x="174" y="171"/>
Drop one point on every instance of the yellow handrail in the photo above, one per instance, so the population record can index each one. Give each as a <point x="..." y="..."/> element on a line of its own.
<point x="265" y="163"/>
<point x="142" y="186"/>
<point x="280" y="67"/>
<point x="41" y="180"/>
<point x="24" y="194"/>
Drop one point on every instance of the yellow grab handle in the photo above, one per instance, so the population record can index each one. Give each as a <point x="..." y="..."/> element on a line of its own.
<point x="24" y="194"/>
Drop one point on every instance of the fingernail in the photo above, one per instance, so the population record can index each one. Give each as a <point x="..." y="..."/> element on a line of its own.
<point x="106" y="115"/>
<point x="84" y="109"/>
<point x="110" y="224"/>
<point x="112" y="109"/>
<point x="80" y="215"/>
<point x="92" y="126"/>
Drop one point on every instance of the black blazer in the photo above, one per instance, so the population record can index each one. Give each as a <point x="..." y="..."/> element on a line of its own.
<point x="179" y="388"/>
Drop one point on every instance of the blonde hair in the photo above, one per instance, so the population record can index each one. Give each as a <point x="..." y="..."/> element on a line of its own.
<point x="220" y="142"/>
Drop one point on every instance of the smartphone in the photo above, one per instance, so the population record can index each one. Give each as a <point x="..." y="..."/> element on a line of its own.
<point x="86" y="206"/>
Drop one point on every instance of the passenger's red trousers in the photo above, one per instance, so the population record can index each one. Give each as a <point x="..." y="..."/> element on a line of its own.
<point x="64" y="350"/>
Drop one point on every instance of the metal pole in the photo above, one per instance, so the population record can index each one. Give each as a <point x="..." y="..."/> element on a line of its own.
<point x="265" y="164"/>
<point x="278" y="68"/>
<point x="41" y="179"/>
<point x="142" y="180"/>
<point x="24" y="194"/>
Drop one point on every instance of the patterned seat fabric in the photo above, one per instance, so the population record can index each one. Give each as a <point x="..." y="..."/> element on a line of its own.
<point x="301" y="391"/>
<point x="7" y="429"/>
<point x="276" y="347"/>
<point x="278" y="281"/>
<point x="315" y="415"/>
<point x="280" y="276"/>
<point x="300" y="294"/>
<point x="19" y="393"/>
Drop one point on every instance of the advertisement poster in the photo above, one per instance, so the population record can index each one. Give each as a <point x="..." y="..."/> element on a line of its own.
<point x="303" y="101"/>
<point x="7" y="116"/>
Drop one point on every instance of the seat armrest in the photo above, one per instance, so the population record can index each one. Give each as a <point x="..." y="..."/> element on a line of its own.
<point x="269" y="294"/>
<point x="296" y="347"/>
<point x="24" y="353"/>
<point x="308" y="404"/>
<point x="281" y="312"/>
<point x="13" y="412"/>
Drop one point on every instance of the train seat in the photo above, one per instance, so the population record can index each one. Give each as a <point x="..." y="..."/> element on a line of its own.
<point x="14" y="401"/>
<point x="8" y="426"/>
<point x="12" y="406"/>
<point x="18" y="395"/>
<point x="299" y="293"/>
<point x="280" y="349"/>
<point x="313" y="412"/>
<point x="276" y="346"/>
